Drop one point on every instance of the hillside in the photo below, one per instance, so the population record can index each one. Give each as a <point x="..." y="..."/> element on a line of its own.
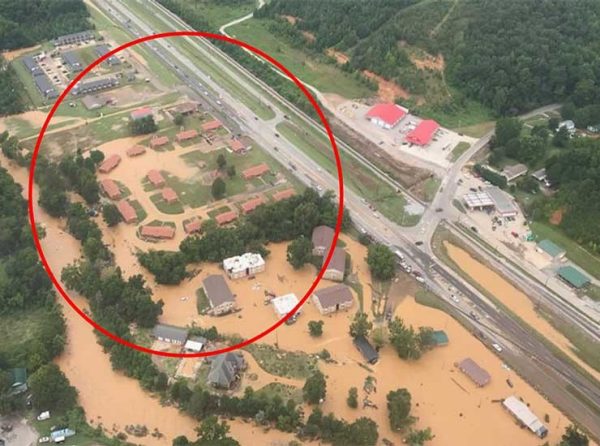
<point x="511" y="56"/>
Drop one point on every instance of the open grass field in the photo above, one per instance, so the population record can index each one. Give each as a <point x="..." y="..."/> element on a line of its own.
<point x="577" y="254"/>
<point x="326" y="77"/>
<point x="460" y="148"/>
<point x="19" y="329"/>
<point x="166" y="208"/>
<point x="277" y="362"/>
<point x="30" y="93"/>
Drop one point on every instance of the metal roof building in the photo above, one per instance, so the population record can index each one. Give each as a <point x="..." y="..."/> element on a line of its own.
<point x="32" y="66"/>
<point x="73" y="61"/>
<point x="423" y="133"/>
<point x="386" y="116"/>
<point x="526" y="417"/>
<point x="478" y="375"/>
<point x="101" y="50"/>
<point x="478" y="201"/>
<point x="552" y="249"/>
<point x="573" y="276"/>
<point x="168" y="333"/>
<point x="503" y="202"/>
<point x="366" y="349"/>
<point x="284" y="304"/>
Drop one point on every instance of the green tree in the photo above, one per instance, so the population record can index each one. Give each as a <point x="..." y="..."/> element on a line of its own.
<point x="362" y="432"/>
<point x="315" y="388"/>
<point x="213" y="432"/>
<point x="231" y="171"/>
<point x="178" y="119"/>
<point x="352" y="399"/>
<point x="218" y="188"/>
<point x="51" y="390"/>
<point x="111" y="214"/>
<point x="221" y="161"/>
<point x="419" y="437"/>
<point x="315" y="328"/>
<point x="361" y="325"/>
<point x="507" y="129"/>
<point x="574" y="437"/>
<point x="399" y="405"/>
<point x="143" y="126"/>
<point x="404" y="340"/>
<point x="561" y="137"/>
<point x="181" y="441"/>
<point x="299" y="252"/>
<point x="379" y="335"/>
<point x="381" y="261"/>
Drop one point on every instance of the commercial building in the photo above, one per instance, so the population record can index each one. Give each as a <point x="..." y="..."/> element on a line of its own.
<point x="284" y="194"/>
<point x="366" y="349"/>
<point x="255" y="171"/>
<point x="226" y="217"/>
<point x="252" y="204"/>
<point x="283" y="305"/>
<point x="514" y="171"/>
<point x="386" y="116"/>
<point x="141" y="113"/>
<point x="524" y="416"/>
<point x="186" y="135"/>
<point x="478" y="201"/>
<point x="247" y="264"/>
<point x="32" y="66"/>
<point x="110" y="163"/>
<point x="337" y="266"/>
<point x="169" y="195"/>
<point x="504" y="203"/>
<point x="478" y="375"/>
<point x="44" y="86"/>
<point x="136" y="150"/>
<point x="110" y="188"/>
<point x="322" y="238"/>
<point x="334" y="298"/>
<point x="170" y="334"/>
<point x="551" y="249"/>
<point x="219" y="295"/>
<point x="101" y="50"/>
<point x="75" y="38"/>
<point x="72" y="60"/>
<point x="211" y="125"/>
<point x="573" y="277"/>
<point x="156" y="178"/>
<point x="225" y="369"/>
<point x="127" y="211"/>
<point x="423" y="133"/>
<point x="94" y="85"/>
<point x="158" y="232"/>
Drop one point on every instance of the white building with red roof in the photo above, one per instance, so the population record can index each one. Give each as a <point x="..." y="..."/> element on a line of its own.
<point x="423" y="133"/>
<point x="386" y="116"/>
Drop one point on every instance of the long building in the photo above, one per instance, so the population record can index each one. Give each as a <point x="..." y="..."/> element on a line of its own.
<point x="72" y="60"/>
<point x="102" y="49"/>
<point x="32" y="66"/>
<point x="525" y="416"/>
<point x="94" y="85"/>
<point x="45" y="87"/>
<point x="75" y="38"/>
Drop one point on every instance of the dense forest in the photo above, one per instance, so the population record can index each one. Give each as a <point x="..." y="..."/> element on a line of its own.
<point x="27" y="22"/>
<point x="511" y="56"/>
<point x="11" y="99"/>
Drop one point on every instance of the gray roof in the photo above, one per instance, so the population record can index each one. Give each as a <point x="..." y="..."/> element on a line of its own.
<point x="45" y="86"/>
<point x="94" y="85"/>
<point x="333" y="295"/>
<point x="514" y="171"/>
<point x="540" y="174"/>
<point x="170" y="332"/>
<point x="102" y="49"/>
<point x="338" y="261"/>
<point x="73" y="60"/>
<point x="217" y="291"/>
<point x="224" y="368"/>
<point x="478" y="375"/>
<point x="74" y="37"/>
<point x="502" y="200"/>
<point x="366" y="349"/>
<point x="32" y="65"/>
<point x="322" y="236"/>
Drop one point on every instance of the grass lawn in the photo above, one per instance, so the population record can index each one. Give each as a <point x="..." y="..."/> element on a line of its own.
<point x="164" y="207"/>
<point x="31" y="94"/>
<point x="284" y="391"/>
<point x="202" y="303"/>
<point x="593" y="292"/>
<point x="221" y="209"/>
<point x="586" y="260"/>
<point x="139" y="210"/>
<point x="324" y="76"/>
<point x="19" y="329"/>
<point x="473" y="119"/>
<point x="297" y="365"/>
<point x="430" y="188"/>
<point x="88" y="437"/>
<point x="457" y="151"/>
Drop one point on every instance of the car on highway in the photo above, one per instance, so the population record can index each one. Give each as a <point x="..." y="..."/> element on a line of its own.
<point x="375" y="214"/>
<point x="418" y="277"/>
<point x="418" y="243"/>
<point x="454" y="298"/>
<point x="439" y="210"/>
<point x="277" y="135"/>
<point x="497" y="347"/>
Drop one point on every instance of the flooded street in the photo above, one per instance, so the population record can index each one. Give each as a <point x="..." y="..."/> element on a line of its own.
<point x="516" y="301"/>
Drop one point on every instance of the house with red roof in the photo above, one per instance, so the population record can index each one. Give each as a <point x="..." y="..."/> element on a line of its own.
<point x="136" y="150"/>
<point x="211" y="125"/>
<point x="110" y="188"/>
<point x="423" y="133"/>
<point x="141" y="113"/>
<point x="386" y="116"/>
<point x="255" y="171"/>
<point x="283" y="194"/>
<point x="186" y="135"/>
<point x="169" y="195"/>
<point x="237" y="146"/>
<point x="110" y="163"/>
<point x="158" y="232"/>
<point x="156" y="178"/>
<point x="158" y="141"/>
<point x="252" y="204"/>
<point x="193" y="226"/>
<point x="226" y="217"/>
<point x="127" y="211"/>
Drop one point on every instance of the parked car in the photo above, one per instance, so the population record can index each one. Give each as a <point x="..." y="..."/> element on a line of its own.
<point x="44" y="440"/>
<point x="497" y="347"/>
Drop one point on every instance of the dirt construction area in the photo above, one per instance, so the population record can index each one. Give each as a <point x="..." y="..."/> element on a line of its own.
<point x="433" y="156"/>
<point x="20" y="433"/>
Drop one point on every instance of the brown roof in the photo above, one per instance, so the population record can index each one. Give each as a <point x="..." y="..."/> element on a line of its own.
<point x="333" y="295"/>
<point x="110" y="163"/>
<point x="470" y="368"/>
<point x="192" y="226"/>
<point x="169" y="195"/>
<point x="155" y="177"/>
<point x="158" y="141"/>
<point x="322" y="236"/>
<point x="136" y="150"/>
<point x="338" y="261"/>
<point x="250" y="205"/>
<point x="282" y="195"/>
<point x="216" y="290"/>
<point x="186" y="107"/>
<point x="187" y="134"/>
<point x="158" y="231"/>
<point x="110" y="188"/>
<point x="255" y="171"/>
<point x="226" y="217"/>
<point x="127" y="211"/>
<point x="236" y="145"/>
<point x="211" y="125"/>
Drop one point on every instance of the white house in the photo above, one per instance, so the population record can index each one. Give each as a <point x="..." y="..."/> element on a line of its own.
<point x="284" y="304"/>
<point x="245" y="265"/>
<point x="568" y="124"/>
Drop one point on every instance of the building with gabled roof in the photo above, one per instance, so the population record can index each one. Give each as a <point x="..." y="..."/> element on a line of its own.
<point x="337" y="266"/>
<point x="478" y="375"/>
<point x="93" y="85"/>
<point x="140" y="113"/>
<point x="333" y="298"/>
<point x="127" y="211"/>
<point x="386" y="116"/>
<point x="74" y="38"/>
<point x="366" y="349"/>
<point x="170" y="334"/>
<point x="514" y="171"/>
<point x="110" y="163"/>
<point x="169" y="195"/>
<point x="252" y="204"/>
<point x="186" y="135"/>
<point x="136" y="150"/>
<point x="423" y="133"/>
<point x="156" y="178"/>
<point x="225" y="369"/>
<point x="551" y="249"/>
<point x="322" y="238"/>
<point x="237" y="146"/>
<point x="32" y="66"/>
<point x="102" y="49"/>
<point x="211" y="125"/>
<point x="72" y="60"/>
<point x="284" y="194"/>
<point x="193" y="226"/>
<point x="158" y="141"/>
<point x="220" y="297"/>
<point x="255" y="171"/>
<point x="110" y="188"/>
<point x="158" y="232"/>
<point x="573" y="277"/>
<point x="226" y="217"/>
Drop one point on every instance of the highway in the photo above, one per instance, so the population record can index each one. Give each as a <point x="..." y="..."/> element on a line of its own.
<point x="528" y="355"/>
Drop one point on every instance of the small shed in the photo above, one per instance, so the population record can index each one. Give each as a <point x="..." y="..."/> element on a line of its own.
<point x="195" y="344"/>
<point x="478" y="375"/>
<point x="366" y="349"/>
